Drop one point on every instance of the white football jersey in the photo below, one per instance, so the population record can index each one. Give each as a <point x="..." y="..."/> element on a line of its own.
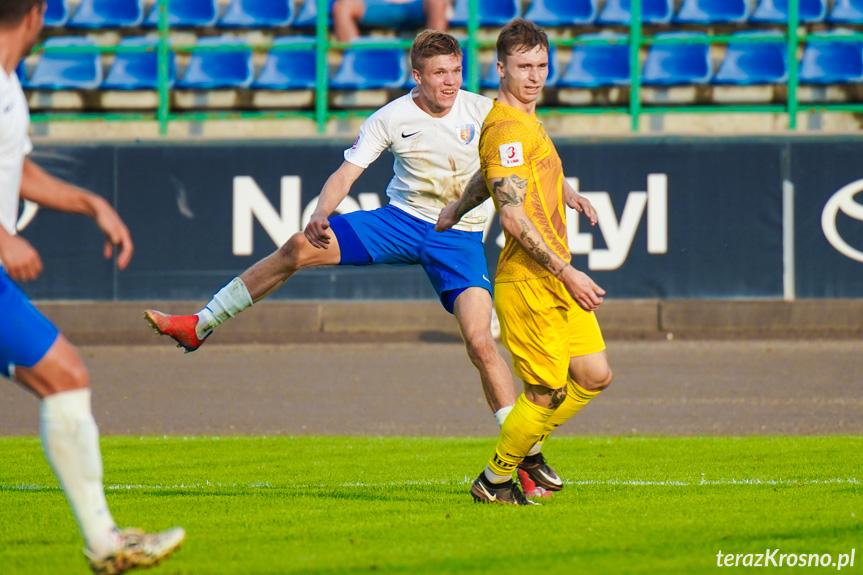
<point x="14" y="146"/>
<point x="435" y="158"/>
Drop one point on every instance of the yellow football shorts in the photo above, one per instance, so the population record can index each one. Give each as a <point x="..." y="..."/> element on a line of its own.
<point x="542" y="327"/>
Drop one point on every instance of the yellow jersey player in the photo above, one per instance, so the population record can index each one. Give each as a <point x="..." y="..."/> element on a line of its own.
<point x="544" y="304"/>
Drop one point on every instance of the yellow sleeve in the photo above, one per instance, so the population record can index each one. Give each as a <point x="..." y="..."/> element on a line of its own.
<point x="505" y="149"/>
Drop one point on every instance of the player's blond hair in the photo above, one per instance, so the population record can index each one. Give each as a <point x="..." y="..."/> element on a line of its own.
<point x="520" y="35"/>
<point x="431" y="43"/>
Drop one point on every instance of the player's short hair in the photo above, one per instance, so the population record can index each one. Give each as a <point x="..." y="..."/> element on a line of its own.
<point x="520" y="35"/>
<point x="431" y="43"/>
<point x="13" y="11"/>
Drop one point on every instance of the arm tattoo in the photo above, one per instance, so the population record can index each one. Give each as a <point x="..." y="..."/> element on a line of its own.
<point x="475" y="193"/>
<point x="538" y="250"/>
<point x="506" y="195"/>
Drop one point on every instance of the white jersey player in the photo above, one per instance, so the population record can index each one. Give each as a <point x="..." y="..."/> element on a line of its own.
<point x="32" y="350"/>
<point x="433" y="133"/>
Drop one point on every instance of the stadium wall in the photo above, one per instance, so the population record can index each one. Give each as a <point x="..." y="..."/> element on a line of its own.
<point x="770" y="218"/>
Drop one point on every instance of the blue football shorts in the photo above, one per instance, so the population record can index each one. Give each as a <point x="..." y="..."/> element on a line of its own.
<point x="453" y="260"/>
<point x="25" y="334"/>
<point x="393" y="13"/>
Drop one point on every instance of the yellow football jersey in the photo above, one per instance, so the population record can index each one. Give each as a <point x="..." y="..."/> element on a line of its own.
<point x="514" y="142"/>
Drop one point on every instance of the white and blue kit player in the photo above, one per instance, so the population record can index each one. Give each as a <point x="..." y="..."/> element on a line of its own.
<point x="435" y="158"/>
<point x="32" y="350"/>
<point x="433" y="132"/>
<point x="19" y="315"/>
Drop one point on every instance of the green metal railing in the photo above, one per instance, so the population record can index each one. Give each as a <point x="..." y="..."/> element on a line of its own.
<point x="322" y="112"/>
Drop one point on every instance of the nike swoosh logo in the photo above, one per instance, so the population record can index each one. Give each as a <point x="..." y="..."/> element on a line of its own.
<point x="412" y="134"/>
<point x="485" y="278"/>
<point x="487" y="494"/>
<point x="552" y="480"/>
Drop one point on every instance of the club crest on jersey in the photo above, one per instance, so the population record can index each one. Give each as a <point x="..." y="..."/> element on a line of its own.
<point x="466" y="132"/>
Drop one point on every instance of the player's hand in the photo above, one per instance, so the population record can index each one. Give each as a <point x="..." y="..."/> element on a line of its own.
<point x="582" y="205"/>
<point x="317" y="232"/>
<point x="447" y="218"/>
<point x="21" y="260"/>
<point x="583" y="290"/>
<point x="116" y="234"/>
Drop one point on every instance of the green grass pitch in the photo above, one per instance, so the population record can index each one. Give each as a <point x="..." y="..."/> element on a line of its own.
<point x="276" y="505"/>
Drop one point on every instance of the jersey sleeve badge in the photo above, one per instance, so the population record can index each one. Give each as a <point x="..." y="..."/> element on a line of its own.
<point x="511" y="155"/>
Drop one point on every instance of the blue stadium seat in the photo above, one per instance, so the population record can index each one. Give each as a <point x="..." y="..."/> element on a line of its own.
<point x="67" y="70"/>
<point x="491" y="80"/>
<point x="847" y="11"/>
<point x="597" y="65"/>
<point x="561" y="12"/>
<point x="712" y="12"/>
<point x="751" y="63"/>
<point x="491" y="12"/>
<point x="619" y="12"/>
<point x="107" y="14"/>
<point x="372" y="68"/>
<point x="288" y="69"/>
<point x="776" y="11"/>
<point x="831" y="62"/>
<point x="185" y="13"/>
<point x="257" y="14"/>
<point x="56" y="13"/>
<point x="308" y="15"/>
<point x="138" y="70"/>
<point x="674" y="64"/>
<point x="384" y="14"/>
<point x="210" y="69"/>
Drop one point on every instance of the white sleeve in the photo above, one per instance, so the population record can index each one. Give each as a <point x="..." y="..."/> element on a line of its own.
<point x="28" y="145"/>
<point x="372" y="140"/>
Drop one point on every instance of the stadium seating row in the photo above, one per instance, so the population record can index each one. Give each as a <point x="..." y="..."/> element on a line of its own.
<point x="290" y="65"/>
<point x="551" y="13"/>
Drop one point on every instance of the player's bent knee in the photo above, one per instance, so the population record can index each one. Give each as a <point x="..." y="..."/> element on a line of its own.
<point x="292" y="252"/>
<point x="598" y="381"/>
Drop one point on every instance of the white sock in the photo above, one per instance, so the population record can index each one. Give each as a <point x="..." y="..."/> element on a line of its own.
<point x="500" y="414"/>
<point x="70" y="439"/>
<point x="536" y="448"/>
<point x="494" y="477"/>
<point x="231" y="300"/>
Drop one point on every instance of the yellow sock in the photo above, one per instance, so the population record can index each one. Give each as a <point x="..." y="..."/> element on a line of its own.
<point x="523" y="427"/>
<point x="576" y="398"/>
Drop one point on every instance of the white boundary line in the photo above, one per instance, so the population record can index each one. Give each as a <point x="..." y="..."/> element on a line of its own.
<point x="466" y="481"/>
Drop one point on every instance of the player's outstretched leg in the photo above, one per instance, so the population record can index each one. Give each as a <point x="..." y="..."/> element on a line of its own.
<point x="190" y="331"/>
<point x="137" y="549"/>
<point x="256" y="283"/>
